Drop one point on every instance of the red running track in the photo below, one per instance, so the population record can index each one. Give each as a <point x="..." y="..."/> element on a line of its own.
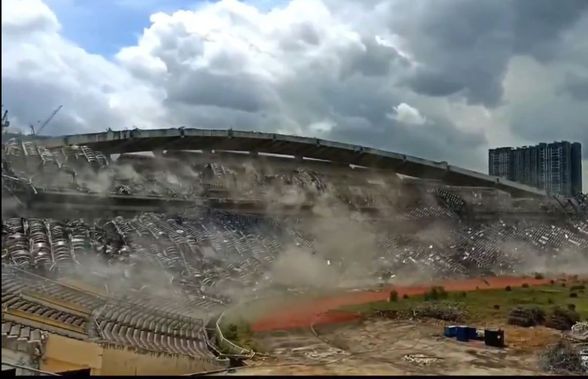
<point x="302" y="313"/>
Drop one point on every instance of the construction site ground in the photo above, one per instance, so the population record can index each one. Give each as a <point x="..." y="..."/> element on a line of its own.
<point x="390" y="347"/>
<point x="306" y="336"/>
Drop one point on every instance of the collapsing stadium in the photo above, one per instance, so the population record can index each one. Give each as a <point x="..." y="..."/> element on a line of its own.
<point x="128" y="259"/>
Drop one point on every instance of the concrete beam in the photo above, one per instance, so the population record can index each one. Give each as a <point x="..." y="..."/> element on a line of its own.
<point x="204" y="139"/>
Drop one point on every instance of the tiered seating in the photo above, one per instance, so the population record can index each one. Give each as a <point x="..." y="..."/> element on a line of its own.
<point x="62" y="251"/>
<point x="16" y="243"/>
<point x="30" y="150"/>
<point x="190" y="180"/>
<point x="16" y="336"/>
<point x="47" y="157"/>
<point x="143" y="322"/>
<point x="221" y="249"/>
<point x="142" y="325"/>
<point x="30" y="300"/>
<point x="19" y="281"/>
<point x="12" y="148"/>
<point x="452" y="201"/>
<point x="40" y="243"/>
<point x="428" y="212"/>
<point x="12" y="302"/>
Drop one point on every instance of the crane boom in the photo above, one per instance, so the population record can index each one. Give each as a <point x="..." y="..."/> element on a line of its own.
<point x="48" y="119"/>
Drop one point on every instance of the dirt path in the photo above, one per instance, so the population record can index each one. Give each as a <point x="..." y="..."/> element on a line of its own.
<point x="301" y="313"/>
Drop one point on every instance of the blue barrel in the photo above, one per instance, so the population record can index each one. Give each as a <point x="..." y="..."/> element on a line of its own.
<point x="462" y="333"/>
<point x="450" y="331"/>
<point x="472" y="333"/>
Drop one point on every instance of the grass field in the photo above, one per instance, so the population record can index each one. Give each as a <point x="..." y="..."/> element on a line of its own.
<point x="493" y="304"/>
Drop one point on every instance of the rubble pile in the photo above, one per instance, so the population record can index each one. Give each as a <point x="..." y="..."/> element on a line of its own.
<point x="420" y="359"/>
<point x="580" y="331"/>
<point x="562" y="358"/>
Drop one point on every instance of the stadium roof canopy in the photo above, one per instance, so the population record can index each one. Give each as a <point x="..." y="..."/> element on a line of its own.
<point x="127" y="141"/>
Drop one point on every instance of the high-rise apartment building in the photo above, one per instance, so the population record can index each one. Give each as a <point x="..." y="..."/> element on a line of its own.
<point x="500" y="162"/>
<point x="576" y="168"/>
<point x="555" y="167"/>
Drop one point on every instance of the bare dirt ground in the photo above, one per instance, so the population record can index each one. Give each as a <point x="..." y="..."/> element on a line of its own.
<point x="308" y="337"/>
<point x="390" y="347"/>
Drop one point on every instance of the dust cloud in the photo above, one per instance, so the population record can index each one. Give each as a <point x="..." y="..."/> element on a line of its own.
<point x="328" y="243"/>
<point x="296" y="267"/>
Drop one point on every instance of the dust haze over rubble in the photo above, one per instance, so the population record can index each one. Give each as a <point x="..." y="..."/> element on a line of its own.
<point x="325" y="240"/>
<point x="297" y="267"/>
<point x="9" y="205"/>
<point x="124" y="279"/>
<point x="343" y="243"/>
<point x="566" y="260"/>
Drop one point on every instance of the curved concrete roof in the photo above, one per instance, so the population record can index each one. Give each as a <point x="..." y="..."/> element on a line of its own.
<point x="116" y="142"/>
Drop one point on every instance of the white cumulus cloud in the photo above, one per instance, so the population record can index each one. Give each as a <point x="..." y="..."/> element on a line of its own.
<point x="406" y="114"/>
<point x="321" y="68"/>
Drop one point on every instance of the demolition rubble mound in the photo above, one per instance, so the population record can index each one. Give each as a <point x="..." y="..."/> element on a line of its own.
<point x="562" y="358"/>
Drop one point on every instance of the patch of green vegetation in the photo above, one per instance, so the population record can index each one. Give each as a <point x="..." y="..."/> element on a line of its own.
<point x="487" y="304"/>
<point x="436" y="293"/>
<point x="238" y="332"/>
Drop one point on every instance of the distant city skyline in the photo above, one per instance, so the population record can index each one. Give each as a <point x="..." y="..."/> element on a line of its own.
<point x="555" y="167"/>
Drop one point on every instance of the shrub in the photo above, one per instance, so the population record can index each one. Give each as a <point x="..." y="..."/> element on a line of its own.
<point x="405" y="296"/>
<point x="549" y="301"/>
<point x="538" y="275"/>
<point x="577" y="288"/>
<point x="496" y="306"/>
<point x="525" y="285"/>
<point x="562" y="319"/>
<point x="526" y="316"/>
<point x="573" y="294"/>
<point x="393" y="296"/>
<point x="440" y="311"/>
<point x="508" y="288"/>
<point x="538" y="314"/>
<point x="231" y="332"/>
<point x="436" y="293"/>
<point x="563" y="284"/>
<point x="552" y="281"/>
<point x="572" y="307"/>
<point x="461" y="295"/>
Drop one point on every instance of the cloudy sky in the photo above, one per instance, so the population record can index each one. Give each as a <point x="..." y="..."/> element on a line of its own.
<point x="442" y="80"/>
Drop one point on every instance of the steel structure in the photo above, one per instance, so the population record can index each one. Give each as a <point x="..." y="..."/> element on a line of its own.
<point x="126" y="141"/>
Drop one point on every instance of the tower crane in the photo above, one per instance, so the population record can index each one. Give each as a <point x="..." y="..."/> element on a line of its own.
<point x="5" y="122"/>
<point x="38" y="131"/>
